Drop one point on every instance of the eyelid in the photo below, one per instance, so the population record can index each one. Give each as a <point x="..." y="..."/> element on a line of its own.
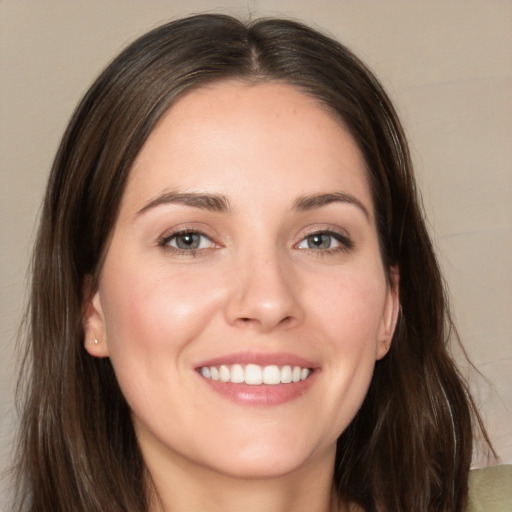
<point x="176" y="236"/>
<point x="340" y="235"/>
<point x="164" y="239"/>
<point x="344" y="241"/>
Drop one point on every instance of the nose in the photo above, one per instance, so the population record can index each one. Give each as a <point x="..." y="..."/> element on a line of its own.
<point x="265" y="294"/>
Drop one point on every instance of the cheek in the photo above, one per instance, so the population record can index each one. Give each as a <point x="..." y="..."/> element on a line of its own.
<point x="153" y="314"/>
<point x="152" y="320"/>
<point x="350" y="307"/>
<point x="348" y="321"/>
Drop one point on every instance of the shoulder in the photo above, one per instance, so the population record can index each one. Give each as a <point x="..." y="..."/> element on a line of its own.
<point x="490" y="489"/>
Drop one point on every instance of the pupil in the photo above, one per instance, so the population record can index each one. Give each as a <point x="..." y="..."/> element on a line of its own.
<point x="320" y="241"/>
<point x="188" y="241"/>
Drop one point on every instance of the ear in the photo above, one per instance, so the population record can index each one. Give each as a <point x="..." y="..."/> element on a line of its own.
<point x="390" y="313"/>
<point x="93" y="320"/>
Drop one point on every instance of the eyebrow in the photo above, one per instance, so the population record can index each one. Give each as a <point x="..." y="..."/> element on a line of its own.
<point x="210" y="202"/>
<point x="310" y="202"/>
<point x="220" y="203"/>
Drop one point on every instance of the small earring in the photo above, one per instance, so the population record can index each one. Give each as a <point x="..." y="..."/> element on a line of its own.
<point x="95" y="341"/>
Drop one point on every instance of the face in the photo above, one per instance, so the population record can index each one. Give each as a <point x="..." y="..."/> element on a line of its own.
<point x="243" y="300"/>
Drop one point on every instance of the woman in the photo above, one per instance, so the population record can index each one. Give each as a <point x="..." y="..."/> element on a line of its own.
<point x="235" y="301"/>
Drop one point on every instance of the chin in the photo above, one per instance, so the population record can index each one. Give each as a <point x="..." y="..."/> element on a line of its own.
<point x="261" y="461"/>
<point x="259" y="468"/>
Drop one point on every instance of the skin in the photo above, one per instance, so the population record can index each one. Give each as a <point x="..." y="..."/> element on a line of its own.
<point x="257" y="284"/>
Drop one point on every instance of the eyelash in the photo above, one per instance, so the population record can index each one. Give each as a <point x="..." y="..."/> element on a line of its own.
<point x="345" y="243"/>
<point x="166" y="239"/>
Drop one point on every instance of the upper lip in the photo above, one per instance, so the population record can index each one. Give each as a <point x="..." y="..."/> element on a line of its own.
<point x="259" y="358"/>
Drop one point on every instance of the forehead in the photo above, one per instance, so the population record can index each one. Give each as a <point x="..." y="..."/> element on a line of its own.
<point x="228" y="132"/>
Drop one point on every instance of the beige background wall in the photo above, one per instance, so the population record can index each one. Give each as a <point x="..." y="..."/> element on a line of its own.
<point x="446" y="63"/>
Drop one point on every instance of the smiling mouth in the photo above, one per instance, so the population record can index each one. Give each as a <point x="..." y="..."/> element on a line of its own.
<point x="255" y="375"/>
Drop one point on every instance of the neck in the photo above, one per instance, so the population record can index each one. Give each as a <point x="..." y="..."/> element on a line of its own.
<point x="182" y="488"/>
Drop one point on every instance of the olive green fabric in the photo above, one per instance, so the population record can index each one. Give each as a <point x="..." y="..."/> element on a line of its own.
<point x="490" y="489"/>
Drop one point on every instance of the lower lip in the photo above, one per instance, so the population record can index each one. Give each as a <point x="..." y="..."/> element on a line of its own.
<point x="247" y="394"/>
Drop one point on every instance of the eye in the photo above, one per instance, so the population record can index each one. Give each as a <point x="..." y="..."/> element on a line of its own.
<point x="325" y="241"/>
<point x="187" y="241"/>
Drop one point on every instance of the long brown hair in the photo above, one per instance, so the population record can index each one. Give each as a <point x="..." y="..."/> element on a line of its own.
<point x="408" y="448"/>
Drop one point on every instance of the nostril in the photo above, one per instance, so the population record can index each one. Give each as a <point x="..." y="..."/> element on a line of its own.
<point x="286" y="320"/>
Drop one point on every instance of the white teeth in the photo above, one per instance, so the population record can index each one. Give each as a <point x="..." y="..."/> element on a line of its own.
<point x="255" y="375"/>
<point x="286" y="374"/>
<point x="237" y="374"/>
<point x="224" y="374"/>
<point x="271" y="375"/>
